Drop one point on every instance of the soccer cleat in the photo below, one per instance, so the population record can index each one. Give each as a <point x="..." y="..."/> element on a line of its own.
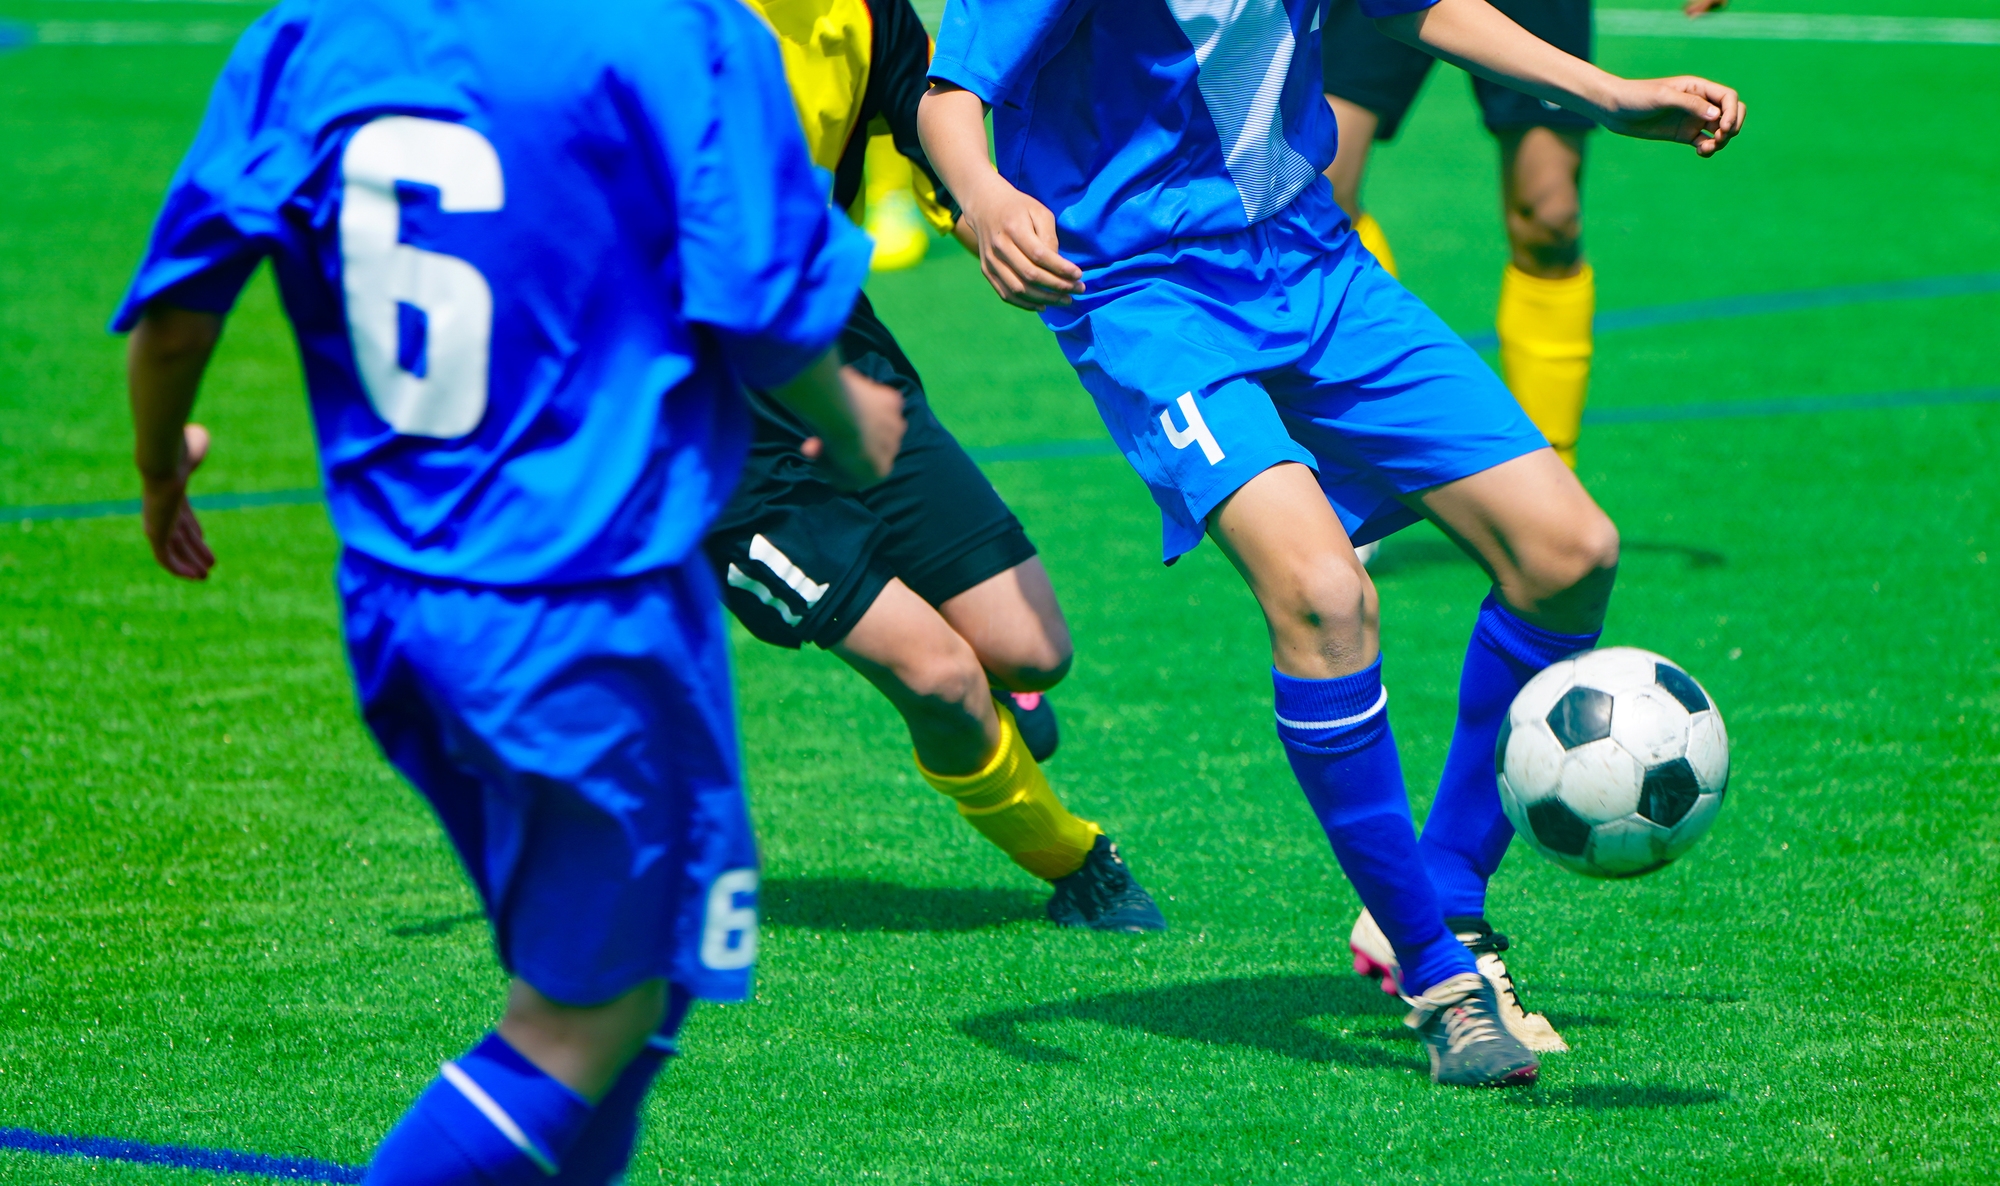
<point x="1459" y="1022"/>
<point x="1103" y="896"/>
<point x="1035" y="717"/>
<point x="1374" y="958"/>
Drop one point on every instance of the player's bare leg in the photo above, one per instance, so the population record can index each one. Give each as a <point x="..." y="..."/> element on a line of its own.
<point x="1350" y="161"/>
<point x="1323" y="615"/>
<point x="1541" y="197"/>
<point x="1350" y="164"/>
<point x="972" y="752"/>
<point x="931" y="674"/>
<point x="1318" y="602"/>
<point x="1016" y="627"/>
<point x="582" y="1047"/>
<point x="1548" y="295"/>
<point x="1552" y="553"/>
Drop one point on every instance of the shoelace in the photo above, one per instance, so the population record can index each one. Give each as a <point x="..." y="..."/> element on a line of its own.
<point x="1495" y="970"/>
<point x="1465" y="1024"/>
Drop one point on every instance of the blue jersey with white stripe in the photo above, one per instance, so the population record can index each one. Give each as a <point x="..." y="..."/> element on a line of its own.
<point x="1141" y="121"/>
<point x="530" y="251"/>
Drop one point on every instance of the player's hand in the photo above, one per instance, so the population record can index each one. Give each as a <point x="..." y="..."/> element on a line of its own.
<point x="864" y="453"/>
<point x="1695" y="8"/>
<point x="171" y="526"/>
<point x="1687" y="109"/>
<point x="1016" y="238"/>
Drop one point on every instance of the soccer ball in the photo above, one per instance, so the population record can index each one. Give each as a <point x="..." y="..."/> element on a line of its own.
<point x="1612" y="763"/>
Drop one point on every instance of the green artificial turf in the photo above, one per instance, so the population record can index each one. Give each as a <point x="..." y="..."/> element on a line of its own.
<point x="225" y="923"/>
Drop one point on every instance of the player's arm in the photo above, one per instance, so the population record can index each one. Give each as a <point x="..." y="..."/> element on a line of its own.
<point x="1013" y="234"/>
<point x="1476" y="36"/>
<point x="165" y="358"/>
<point x="859" y="421"/>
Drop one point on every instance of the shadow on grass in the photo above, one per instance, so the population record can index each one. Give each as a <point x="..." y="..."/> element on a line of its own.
<point x="1696" y="557"/>
<point x="1431" y="553"/>
<point x="849" y="904"/>
<point x="1261" y="1012"/>
<point x="436" y="926"/>
<point x="1601" y="1097"/>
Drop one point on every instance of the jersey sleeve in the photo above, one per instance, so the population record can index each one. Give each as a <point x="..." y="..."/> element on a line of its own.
<point x="989" y="47"/>
<point x="898" y="76"/>
<point x="1377" y="9"/>
<point x="221" y="209"/>
<point x="764" y="263"/>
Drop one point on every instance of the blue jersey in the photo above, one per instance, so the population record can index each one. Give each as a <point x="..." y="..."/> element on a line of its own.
<point x="1141" y="121"/>
<point x="530" y="251"/>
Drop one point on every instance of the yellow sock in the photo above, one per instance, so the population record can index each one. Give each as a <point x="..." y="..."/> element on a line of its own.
<point x="891" y="216"/>
<point x="1010" y="802"/>
<point x="1545" y="350"/>
<point x="1376" y="242"/>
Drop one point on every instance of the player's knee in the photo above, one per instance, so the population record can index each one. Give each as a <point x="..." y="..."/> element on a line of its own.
<point x="1032" y="665"/>
<point x="1548" y="228"/>
<point x="1584" y="554"/>
<point x="946" y="678"/>
<point x="1333" y="602"/>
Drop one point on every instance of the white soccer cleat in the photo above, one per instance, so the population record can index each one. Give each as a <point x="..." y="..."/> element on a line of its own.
<point x="1376" y="959"/>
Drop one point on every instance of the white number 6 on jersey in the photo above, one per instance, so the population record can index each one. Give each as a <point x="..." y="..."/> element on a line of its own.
<point x="729" y="933"/>
<point x="379" y="273"/>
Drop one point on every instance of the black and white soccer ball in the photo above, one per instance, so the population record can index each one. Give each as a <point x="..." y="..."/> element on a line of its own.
<point x="1613" y="762"/>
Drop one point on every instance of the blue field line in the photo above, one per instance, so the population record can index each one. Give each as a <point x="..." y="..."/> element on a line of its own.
<point x="1099" y="447"/>
<point x="292" y="497"/>
<point x="218" y="1161"/>
<point x="1797" y="405"/>
<point x="1760" y="303"/>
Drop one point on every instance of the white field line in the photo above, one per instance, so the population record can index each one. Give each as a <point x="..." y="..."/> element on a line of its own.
<point x="135" y="33"/>
<point x="1799" y="26"/>
<point x="1614" y="22"/>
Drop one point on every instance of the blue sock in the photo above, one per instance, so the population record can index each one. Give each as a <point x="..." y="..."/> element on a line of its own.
<point x="605" y="1148"/>
<point x="1467" y="833"/>
<point x="1336" y="733"/>
<point x="492" y="1118"/>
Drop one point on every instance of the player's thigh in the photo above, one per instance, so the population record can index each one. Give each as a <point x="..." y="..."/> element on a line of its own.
<point x="1016" y="627"/>
<point x="1538" y="533"/>
<point x="904" y="646"/>
<point x="1357" y="127"/>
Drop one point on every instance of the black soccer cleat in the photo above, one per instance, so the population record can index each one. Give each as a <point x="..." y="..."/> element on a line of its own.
<point x="1470" y="1046"/>
<point x="1035" y="717"/>
<point x="1103" y="896"/>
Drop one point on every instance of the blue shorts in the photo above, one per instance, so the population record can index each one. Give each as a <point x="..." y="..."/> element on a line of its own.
<point x="1212" y="359"/>
<point x="579" y="747"/>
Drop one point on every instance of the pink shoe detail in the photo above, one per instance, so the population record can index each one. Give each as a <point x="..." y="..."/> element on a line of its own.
<point x="1029" y="701"/>
<point x="1367" y="965"/>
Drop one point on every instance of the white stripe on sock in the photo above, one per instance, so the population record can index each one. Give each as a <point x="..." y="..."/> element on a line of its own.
<point x="1343" y="722"/>
<point x="491" y="1109"/>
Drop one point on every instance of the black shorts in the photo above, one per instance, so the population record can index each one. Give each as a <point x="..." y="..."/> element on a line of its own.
<point x="801" y="561"/>
<point x="1365" y="68"/>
